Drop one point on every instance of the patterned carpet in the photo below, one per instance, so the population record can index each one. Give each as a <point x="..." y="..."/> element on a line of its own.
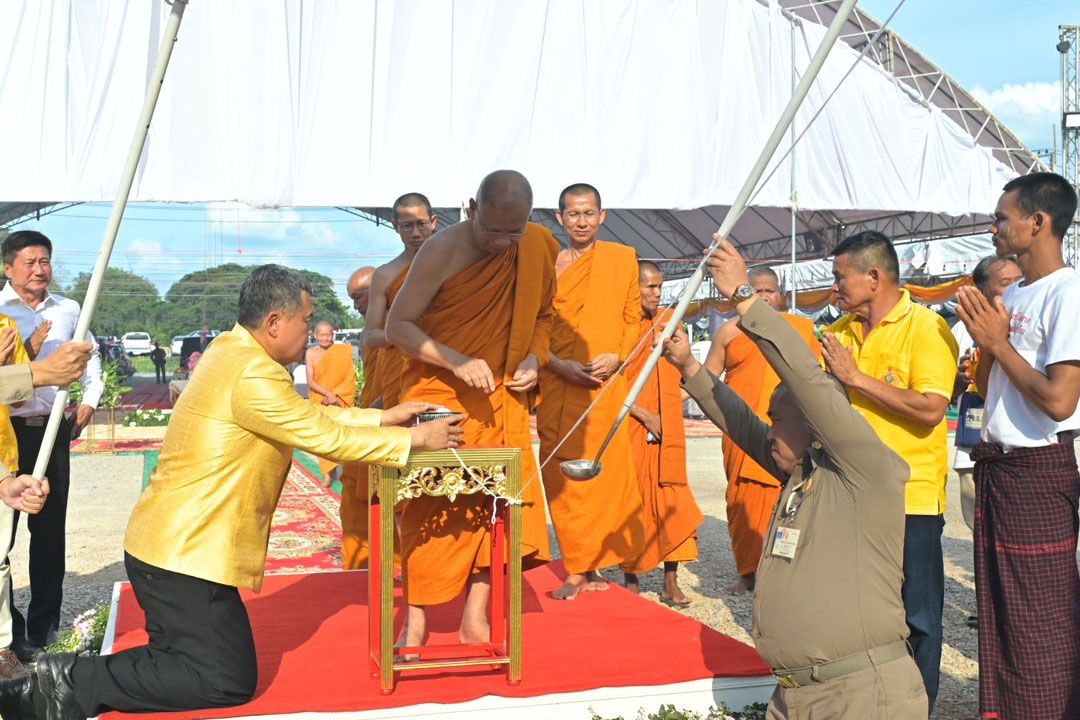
<point x="306" y="532"/>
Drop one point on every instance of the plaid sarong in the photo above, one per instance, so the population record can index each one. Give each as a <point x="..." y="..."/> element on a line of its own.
<point x="1026" y="581"/>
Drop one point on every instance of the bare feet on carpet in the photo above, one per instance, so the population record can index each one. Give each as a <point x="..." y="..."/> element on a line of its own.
<point x="630" y="582"/>
<point x="743" y="585"/>
<point x="474" y="631"/>
<point x="575" y="583"/>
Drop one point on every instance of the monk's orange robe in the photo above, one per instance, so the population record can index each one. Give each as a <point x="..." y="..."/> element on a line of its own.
<point x="752" y="492"/>
<point x="597" y="310"/>
<point x="497" y="309"/>
<point x="671" y="516"/>
<point x="335" y="371"/>
<point x="354" y="510"/>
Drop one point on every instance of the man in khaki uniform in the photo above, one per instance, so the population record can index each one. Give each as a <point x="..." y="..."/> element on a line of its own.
<point x="827" y="610"/>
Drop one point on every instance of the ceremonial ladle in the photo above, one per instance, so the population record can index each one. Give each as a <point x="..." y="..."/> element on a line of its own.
<point x="588" y="469"/>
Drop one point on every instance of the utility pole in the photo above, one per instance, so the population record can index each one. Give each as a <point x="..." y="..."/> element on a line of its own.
<point x="1069" y="47"/>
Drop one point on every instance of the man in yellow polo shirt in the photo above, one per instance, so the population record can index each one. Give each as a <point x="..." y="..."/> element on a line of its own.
<point x="898" y="362"/>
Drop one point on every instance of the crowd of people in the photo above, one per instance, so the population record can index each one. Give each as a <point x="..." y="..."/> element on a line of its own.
<point x="835" y="450"/>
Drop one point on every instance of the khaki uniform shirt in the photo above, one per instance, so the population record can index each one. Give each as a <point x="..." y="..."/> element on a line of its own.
<point x="16" y="384"/>
<point x="840" y="592"/>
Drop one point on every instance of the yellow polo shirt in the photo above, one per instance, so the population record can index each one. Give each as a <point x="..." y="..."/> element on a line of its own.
<point x="9" y="446"/>
<point x="912" y="347"/>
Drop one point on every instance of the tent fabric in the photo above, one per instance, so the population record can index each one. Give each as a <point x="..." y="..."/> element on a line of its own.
<point x="662" y="105"/>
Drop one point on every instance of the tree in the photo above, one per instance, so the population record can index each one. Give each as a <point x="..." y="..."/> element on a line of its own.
<point x="209" y="297"/>
<point x="127" y="303"/>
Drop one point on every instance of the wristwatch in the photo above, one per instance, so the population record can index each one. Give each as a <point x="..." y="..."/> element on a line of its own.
<point x="743" y="292"/>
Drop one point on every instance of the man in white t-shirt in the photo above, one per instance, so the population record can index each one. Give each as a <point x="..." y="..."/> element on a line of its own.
<point x="991" y="276"/>
<point x="1027" y="487"/>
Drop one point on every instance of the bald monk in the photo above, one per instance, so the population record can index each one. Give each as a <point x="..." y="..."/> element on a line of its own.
<point x="474" y="318"/>
<point x="414" y="222"/>
<point x="751" y="492"/>
<point x="358" y="288"/>
<point x="331" y="379"/>
<point x="597" y="322"/>
<point x="658" y="441"/>
<point x="354" y="480"/>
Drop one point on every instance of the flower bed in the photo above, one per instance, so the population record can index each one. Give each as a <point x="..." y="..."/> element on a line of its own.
<point x="147" y="418"/>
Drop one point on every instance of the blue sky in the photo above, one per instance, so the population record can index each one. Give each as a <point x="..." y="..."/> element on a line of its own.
<point x="1001" y="50"/>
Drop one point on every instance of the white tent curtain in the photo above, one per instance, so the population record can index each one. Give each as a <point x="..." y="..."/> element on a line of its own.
<point x="329" y="103"/>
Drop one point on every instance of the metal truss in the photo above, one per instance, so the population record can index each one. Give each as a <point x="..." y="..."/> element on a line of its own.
<point x="1069" y="47"/>
<point x="926" y="82"/>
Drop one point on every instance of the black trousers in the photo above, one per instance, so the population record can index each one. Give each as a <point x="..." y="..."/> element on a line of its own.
<point x="47" y="534"/>
<point x="159" y="372"/>
<point x="201" y="653"/>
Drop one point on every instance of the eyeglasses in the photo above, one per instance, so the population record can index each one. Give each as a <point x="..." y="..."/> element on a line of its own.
<point x="590" y="216"/>
<point x="499" y="234"/>
<point x="413" y="225"/>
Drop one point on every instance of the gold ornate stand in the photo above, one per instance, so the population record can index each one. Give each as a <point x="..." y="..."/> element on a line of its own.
<point x="495" y="472"/>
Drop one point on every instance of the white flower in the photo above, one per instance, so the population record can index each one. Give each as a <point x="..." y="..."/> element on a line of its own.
<point x="131" y="424"/>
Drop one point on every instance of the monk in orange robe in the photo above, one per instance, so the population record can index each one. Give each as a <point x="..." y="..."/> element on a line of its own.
<point x="414" y="221"/>
<point x="474" y="319"/>
<point x="658" y="441"/>
<point x="331" y="379"/>
<point x="751" y="491"/>
<point x="597" y="322"/>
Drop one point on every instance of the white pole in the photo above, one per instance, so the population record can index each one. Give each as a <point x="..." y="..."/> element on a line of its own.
<point x="737" y="208"/>
<point x="172" y="27"/>
<point x="794" y="191"/>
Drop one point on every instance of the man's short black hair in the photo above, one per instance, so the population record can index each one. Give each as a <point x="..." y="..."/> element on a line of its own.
<point x="267" y="288"/>
<point x="1049" y="193"/>
<point x="20" y="239"/>
<point x="413" y="199"/>
<point x="871" y="249"/>
<point x="578" y="189"/>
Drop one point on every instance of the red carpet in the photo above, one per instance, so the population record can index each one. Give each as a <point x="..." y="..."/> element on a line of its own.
<point x="311" y="635"/>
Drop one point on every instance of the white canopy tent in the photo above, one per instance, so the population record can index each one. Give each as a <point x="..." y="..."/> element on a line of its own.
<point x="662" y="105"/>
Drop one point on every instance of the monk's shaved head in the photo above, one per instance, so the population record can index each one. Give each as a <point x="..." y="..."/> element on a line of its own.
<point x="323" y="325"/>
<point x="412" y="200"/>
<point x="648" y="266"/>
<point x="578" y="189"/>
<point x="359" y="286"/>
<point x="505" y="191"/>
<point x="763" y="271"/>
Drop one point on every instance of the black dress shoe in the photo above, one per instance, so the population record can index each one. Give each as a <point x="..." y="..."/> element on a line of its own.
<point x="53" y="695"/>
<point x="26" y="651"/>
<point x="14" y="676"/>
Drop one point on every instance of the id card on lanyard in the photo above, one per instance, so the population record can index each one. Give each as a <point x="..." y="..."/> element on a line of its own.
<point x="786" y="539"/>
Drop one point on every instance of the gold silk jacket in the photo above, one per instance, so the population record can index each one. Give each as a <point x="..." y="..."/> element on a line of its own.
<point x="208" y="507"/>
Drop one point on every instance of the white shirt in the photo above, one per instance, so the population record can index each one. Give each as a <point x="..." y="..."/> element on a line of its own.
<point x="64" y="314"/>
<point x="1044" y="332"/>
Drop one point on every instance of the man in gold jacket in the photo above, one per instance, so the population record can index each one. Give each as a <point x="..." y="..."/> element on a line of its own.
<point x="200" y="530"/>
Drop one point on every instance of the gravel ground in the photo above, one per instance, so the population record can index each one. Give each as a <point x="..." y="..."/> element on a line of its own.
<point x="104" y="488"/>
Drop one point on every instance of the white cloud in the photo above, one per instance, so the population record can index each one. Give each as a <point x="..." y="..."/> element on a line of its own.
<point x="281" y="224"/>
<point x="1028" y="110"/>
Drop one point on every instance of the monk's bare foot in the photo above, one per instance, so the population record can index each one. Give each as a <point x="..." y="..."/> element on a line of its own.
<point x="571" y="587"/>
<point x="673" y="595"/>
<point x="630" y="582"/>
<point x="743" y="585"/>
<point x="474" y="631"/>
<point x="413" y="634"/>
<point x="595" y="581"/>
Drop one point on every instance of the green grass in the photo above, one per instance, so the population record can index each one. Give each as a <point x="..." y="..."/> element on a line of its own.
<point x="143" y="364"/>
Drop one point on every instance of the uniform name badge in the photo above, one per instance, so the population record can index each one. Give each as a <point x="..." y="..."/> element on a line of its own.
<point x="787" y="539"/>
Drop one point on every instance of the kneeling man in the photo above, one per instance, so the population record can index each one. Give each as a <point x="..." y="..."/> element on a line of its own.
<point x="200" y="529"/>
<point x="827" y="610"/>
